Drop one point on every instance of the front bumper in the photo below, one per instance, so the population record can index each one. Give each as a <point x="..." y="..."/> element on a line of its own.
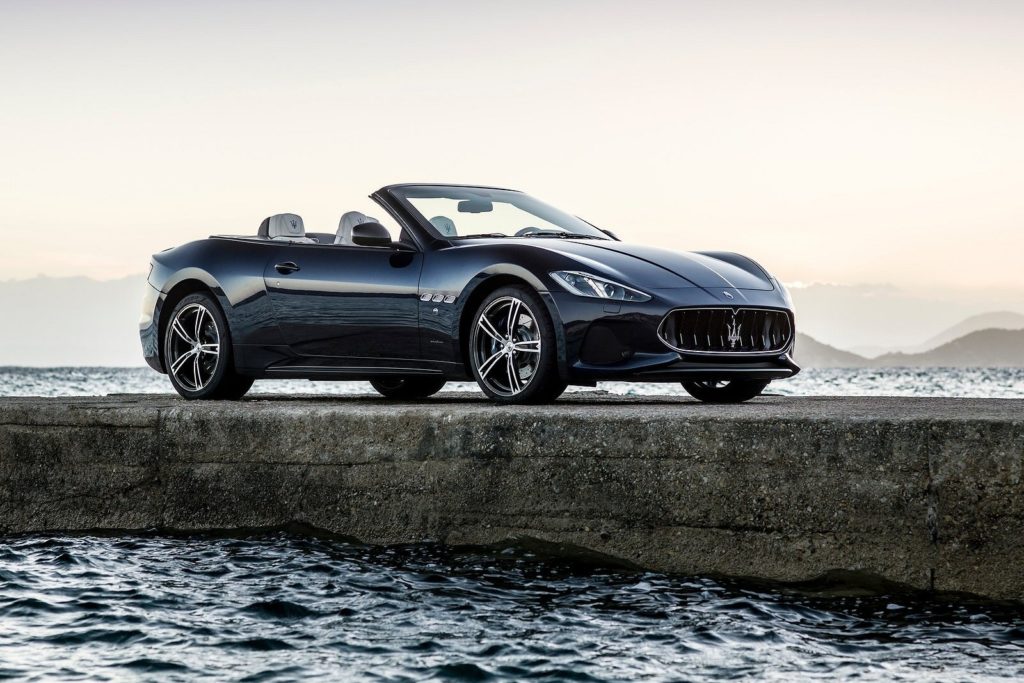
<point x="149" y="329"/>
<point x="605" y="341"/>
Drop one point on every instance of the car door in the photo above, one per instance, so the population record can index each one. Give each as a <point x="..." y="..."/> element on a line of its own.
<point x="346" y="302"/>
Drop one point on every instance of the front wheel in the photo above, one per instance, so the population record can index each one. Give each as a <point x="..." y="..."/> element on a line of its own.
<point x="407" y="387"/>
<point x="197" y="352"/>
<point x="732" y="391"/>
<point x="512" y="348"/>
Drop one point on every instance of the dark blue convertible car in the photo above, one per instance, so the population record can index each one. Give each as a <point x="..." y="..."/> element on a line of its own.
<point x="468" y="282"/>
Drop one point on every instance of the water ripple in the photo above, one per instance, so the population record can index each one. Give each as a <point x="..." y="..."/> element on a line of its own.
<point x="276" y="606"/>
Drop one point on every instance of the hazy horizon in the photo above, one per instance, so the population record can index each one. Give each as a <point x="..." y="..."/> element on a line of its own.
<point x="832" y="141"/>
<point x="80" y="321"/>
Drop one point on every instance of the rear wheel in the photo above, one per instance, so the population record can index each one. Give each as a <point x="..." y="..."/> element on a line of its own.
<point x="197" y="352"/>
<point x="512" y="349"/>
<point x="730" y="391"/>
<point x="407" y="387"/>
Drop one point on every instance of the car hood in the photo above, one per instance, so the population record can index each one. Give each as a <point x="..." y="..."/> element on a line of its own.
<point x="701" y="269"/>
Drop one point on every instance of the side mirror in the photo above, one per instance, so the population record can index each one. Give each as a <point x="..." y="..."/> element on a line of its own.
<point x="371" y="235"/>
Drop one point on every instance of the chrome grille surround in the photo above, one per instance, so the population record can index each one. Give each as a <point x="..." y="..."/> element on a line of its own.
<point x="727" y="331"/>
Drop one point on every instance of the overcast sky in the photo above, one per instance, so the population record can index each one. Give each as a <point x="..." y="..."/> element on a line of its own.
<point x="834" y="141"/>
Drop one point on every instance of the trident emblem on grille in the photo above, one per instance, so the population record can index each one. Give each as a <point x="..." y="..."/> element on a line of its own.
<point x="734" y="333"/>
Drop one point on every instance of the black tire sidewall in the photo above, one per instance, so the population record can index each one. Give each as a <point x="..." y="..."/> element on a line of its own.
<point x="408" y="387"/>
<point x="545" y="385"/>
<point x="224" y="371"/>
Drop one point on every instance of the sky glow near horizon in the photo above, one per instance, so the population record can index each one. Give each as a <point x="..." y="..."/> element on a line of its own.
<point x="842" y="142"/>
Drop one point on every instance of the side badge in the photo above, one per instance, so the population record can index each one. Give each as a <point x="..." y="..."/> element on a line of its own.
<point x="437" y="298"/>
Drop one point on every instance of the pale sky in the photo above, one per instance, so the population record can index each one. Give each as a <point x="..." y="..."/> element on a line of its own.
<point x="843" y="142"/>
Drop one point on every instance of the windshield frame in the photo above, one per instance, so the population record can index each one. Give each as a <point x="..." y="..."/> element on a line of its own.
<point x="573" y="225"/>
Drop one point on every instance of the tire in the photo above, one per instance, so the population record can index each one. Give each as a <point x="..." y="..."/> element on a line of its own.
<point x="197" y="352"/>
<point x="405" y="388"/>
<point x="515" y="362"/>
<point x="733" y="391"/>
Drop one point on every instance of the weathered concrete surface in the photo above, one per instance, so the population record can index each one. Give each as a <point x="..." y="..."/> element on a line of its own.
<point x="927" y="492"/>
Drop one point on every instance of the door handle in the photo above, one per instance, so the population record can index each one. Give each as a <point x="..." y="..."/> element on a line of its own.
<point x="286" y="267"/>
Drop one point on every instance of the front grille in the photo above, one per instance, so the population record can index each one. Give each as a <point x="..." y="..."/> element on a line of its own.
<point x="727" y="330"/>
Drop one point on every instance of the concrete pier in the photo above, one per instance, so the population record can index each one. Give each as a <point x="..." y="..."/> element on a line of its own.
<point x="925" y="492"/>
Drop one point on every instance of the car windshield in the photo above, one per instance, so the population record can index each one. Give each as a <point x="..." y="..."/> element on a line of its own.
<point x="475" y="212"/>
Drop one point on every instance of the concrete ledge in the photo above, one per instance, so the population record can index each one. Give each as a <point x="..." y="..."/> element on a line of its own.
<point x="926" y="492"/>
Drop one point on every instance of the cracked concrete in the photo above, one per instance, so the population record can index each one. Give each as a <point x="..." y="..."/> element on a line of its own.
<point x="925" y="492"/>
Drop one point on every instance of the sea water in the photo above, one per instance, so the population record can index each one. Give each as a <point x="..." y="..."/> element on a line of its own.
<point x="286" y="606"/>
<point x="951" y="382"/>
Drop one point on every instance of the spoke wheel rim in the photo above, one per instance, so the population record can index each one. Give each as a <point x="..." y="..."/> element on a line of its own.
<point x="507" y="346"/>
<point x="194" y="347"/>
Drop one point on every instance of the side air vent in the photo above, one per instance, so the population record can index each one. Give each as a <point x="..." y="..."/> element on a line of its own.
<point x="727" y="330"/>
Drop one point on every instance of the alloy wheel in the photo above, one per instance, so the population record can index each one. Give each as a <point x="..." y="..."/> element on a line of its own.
<point x="507" y="351"/>
<point x="194" y="347"/>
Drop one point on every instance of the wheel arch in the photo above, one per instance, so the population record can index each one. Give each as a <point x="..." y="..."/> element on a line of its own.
<point x="177" y="292"/>
<point x="483" y="288"/>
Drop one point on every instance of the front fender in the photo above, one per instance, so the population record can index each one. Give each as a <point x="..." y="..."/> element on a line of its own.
<point x="457" y="325"/>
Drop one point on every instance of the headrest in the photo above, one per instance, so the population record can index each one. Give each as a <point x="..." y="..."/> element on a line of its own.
<point x="283" y="226"/>
<point x="349" y="220"/>
<point x="444" y="225"/>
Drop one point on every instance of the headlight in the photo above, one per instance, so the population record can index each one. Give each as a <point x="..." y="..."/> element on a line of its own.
<point x="585" y="284"/>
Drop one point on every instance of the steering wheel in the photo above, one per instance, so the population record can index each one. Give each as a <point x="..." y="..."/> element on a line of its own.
<point x="530" y="230"/>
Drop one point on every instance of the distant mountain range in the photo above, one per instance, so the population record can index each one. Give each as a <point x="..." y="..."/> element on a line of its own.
<point x="873" y="319"/>
<point x="999" y="320"/>
<point x="986" y="340"/>
<point x="79" y="321"/>
<point x="811" y="353"/>
<point x="982" y="348"/>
